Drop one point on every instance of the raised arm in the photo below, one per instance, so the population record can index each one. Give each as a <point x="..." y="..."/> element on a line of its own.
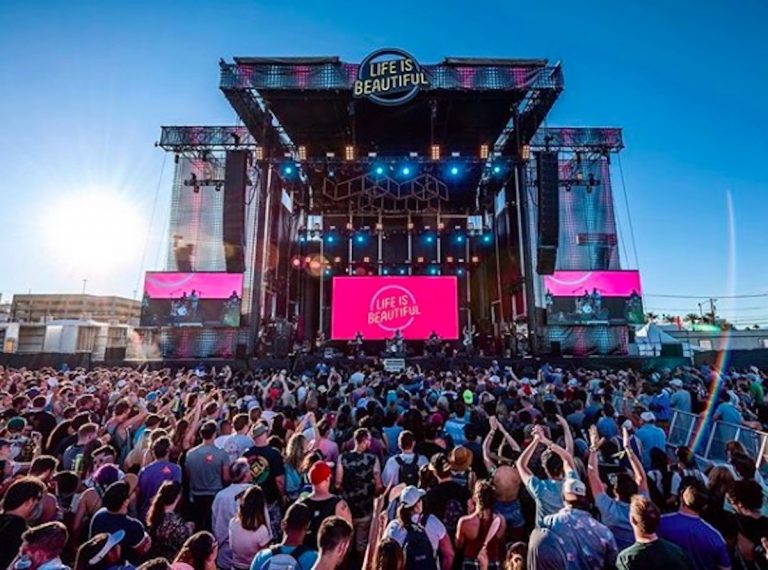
<point x="638" y="472"/>
<point x="525" y="458"/>
<point x="567" y="434"/>
<point x="596" y="486"/>
<point x="567" y="458"/>
<point x="487" y="459"/>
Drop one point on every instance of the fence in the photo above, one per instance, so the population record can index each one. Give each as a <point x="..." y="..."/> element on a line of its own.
<point x="708" y="439"/>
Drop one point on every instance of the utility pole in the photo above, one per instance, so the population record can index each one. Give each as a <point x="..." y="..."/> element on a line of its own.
<point x="85" y="282"/>
<point x="712" y="309"/>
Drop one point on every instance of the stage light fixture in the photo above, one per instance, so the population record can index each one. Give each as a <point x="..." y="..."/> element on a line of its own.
<point x="349" y="152"/>
<point x="360" y="238"/>
<point x="406" y="171"/>
<point x="454" y="170"/>
<point x="259" y="153"/>
<point x="366" y="260"/>
<point x="496" y="169"/>
<point x="288" y="170"/>
<point x="449" y="259"/>
<point x="459" y="238"/>
<point x="307" y="259"/>
<point x="302" y="152"/>
<point x="328" y="271"/>
<point x="484" y="151"/>
<point x="420" y="259"/>
<point x="434" y="270"/>
<point x="385" y="271"/>
<point x="460" y="271"/>
<point x="302" y="238"/>
<point x="475" y="259"/>
<point x="296" y="262"/>
<point x="435" y="152"/>
<point x="487" y="239"/>
<point x="330" y="238"/>
<point x="429" y="238"/>
<point x="526" y="153"/>
<point x="337" y="260"/>
<point x="402" y="271"/>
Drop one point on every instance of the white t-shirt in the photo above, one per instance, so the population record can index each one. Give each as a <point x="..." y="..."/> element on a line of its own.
<point x="433" y="527"/>
<point x="391" y="473"/>
<point x="246" y="543"/>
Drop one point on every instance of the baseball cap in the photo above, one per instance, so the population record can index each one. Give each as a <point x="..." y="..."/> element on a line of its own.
<point x="574" y="487"/>
<point x="411" y="495"/>
<point x="676" y="382"/>
<point x="648" y="417"/>
<point x="259" y="430"/>
<point x="319" y="472"/>
<point x="112" y="540"/>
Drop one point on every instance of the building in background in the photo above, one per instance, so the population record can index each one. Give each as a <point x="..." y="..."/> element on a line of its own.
<point x="41" y="308"/>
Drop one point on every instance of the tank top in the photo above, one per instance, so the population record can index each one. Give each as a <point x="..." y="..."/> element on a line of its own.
<point x="472" y="547"/>
<point x="320" y="510"/>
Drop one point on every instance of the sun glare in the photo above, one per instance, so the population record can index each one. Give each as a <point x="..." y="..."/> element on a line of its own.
<point x="93" y="232"/>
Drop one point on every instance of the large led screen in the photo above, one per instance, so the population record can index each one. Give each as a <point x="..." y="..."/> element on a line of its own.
<point x="594" y="297"/>
<point x="379" y="306"/>
<point x="191" y="299"/>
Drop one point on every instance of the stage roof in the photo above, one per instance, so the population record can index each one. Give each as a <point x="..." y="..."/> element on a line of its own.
<point x="288" y="102"/>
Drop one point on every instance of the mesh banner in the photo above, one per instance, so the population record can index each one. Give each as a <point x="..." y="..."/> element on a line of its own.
<point x="589" y="340"/>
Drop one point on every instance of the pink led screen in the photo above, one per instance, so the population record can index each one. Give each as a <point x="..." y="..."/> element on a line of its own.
<point x="378" y="306"/>
<point x="607" y="283"/>
<point x="169" y="285"/>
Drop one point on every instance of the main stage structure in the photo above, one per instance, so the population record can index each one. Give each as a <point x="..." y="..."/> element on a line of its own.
<point x="333" y="172"/>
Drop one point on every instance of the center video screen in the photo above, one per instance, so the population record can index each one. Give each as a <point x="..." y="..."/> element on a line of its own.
<point x="191" y="299"/>
<point x="593" y="297"/>
<point x="379" y="306"/>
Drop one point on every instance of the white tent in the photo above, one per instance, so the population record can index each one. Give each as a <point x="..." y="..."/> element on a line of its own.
<point x="650" y="337"/>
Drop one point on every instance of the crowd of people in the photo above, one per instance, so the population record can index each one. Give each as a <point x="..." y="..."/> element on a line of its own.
<point x="200" y="469"/>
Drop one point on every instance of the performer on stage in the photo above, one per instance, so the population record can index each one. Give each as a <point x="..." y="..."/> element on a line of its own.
<point x="433" y="343"/>
<point x="468" y="342"/>
<point x="356" y="345"/>
<point x="397" y="344"/>
<point x="320" y="342"/>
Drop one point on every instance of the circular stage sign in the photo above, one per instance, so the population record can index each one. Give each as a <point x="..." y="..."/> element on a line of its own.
<point x="389" y="76"/>
<point x="392" y="308"/>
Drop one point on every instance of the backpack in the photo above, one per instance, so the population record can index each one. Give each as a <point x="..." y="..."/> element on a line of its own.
<point x="659" y="496"/>
<point x="417" y="548"/>
<point x="454" y="510"/>
<point x="409" y="472"/>
<point x="285" y="560"/>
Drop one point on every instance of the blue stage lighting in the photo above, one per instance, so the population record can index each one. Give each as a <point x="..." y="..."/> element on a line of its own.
<point x="434" y="270"/>
<point x="429" y="238"/>
<point x="330" y="238"/>
<point x="378" y="170"/>
<point x="360" y="238"/>
<point x="487" y="239"/>
<point x="328" y="271"/>
<point x="459" y="238"/>
<point x="454" y="170"/>
<point x="497" y="169"/>
<point x="385" y="271"/>
<point x="402" y="271"/>
<point x="302" y="238"/>
<point x="406" y="170"/>
<point x="459" y="271"/>
<point x="288" y="170"/>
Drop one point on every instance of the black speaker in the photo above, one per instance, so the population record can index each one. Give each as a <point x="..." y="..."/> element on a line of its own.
<point x="233" y="218"/>
<point x="549" y="204"/>
<point x="675" y="350"/>
<point x="557" y="348"/>
<point x="546" y="258"/>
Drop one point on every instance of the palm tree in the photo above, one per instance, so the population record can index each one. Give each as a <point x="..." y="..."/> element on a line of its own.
<point x="651" y="317"/>
<point x="669" y="319"/>
<point x="692" y="318"/>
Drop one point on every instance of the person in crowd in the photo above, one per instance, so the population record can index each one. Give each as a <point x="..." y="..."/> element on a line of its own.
<point x="447" y="500"/>
<point x="333" y="540"/>
<point x="249" y="530"/>
<point x="747" y="499"/>
<point x="423" y="537"/>
<point x="291" y="553"/>
<point x="648" y="550"/>
<point x="403" y="467"/>
<point x="152" y="477"/>
<point x="225" y="507"/>
<point x="102" y="552"/>
<point x="42" y="548"/>
<point x="166" y="528"/>
<point x="19" y="503"/>
<point x="358" y="479"/>
<point x="207" y="469"/>
<point x="703" y="546"/>
<point x="73" y="456"/>
<point x="482" y="529"/>
<point x="650" y="436"/>
<point x="615" y="511"/>
<point x="239" y="441"/>
<point x="113" y="516"/>
<point x="268" y="471"/>
<point x="198" y="553"/>
<point x="321" y="502"/>
<point x="558" y="465"/>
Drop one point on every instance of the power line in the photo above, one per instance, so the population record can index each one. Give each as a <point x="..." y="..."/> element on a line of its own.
<point x="700" y="297"/>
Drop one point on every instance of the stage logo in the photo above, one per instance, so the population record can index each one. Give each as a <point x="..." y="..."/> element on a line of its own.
<point x="392" y="308"/>
<point x="389" y="76"/>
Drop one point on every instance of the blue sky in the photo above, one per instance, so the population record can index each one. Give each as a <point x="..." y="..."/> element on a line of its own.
<point x="86" y="86"/>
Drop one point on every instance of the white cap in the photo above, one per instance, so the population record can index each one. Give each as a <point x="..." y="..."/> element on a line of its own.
<point x="411" y="495"/>
<point x="676" y="382"/>
<point x="648" y="417"/>
<point x="574" y="487"/>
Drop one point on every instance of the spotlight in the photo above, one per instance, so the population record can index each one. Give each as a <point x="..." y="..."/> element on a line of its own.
<point x="434" y="270"/>
<point x="496" y="169"/>
<point x="484" y="151"/>
<point x="454" y="170"/>
<point x="435" y="152"/>
<point x="385" y="271"/>
<point x="296" y="262"/>
<point x="349" y="152"/>
<point x="302" y="152"/>
<point x="459" y="238"/>
<point x="330" y="238"/>
<point x="475" y="259"/>
<point x="360" y="238"/>
<point x="460" y="271"/>
<point x="378" y="170"/>
<point x="406" y="170"/>
<point x="302" y="238"/>
<point x="259" y="152"/>
<point x="328" y="271"/>
<point x="288" y="170"/>
<point x="218" y="188"/>
<point x="487" y="239"/>
<point x="402" y="271"/>
<point x="429" y="238"/>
